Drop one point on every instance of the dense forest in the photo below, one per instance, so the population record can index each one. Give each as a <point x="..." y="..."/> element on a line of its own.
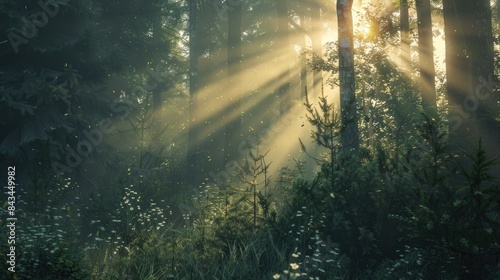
<point x="262" y="139"/>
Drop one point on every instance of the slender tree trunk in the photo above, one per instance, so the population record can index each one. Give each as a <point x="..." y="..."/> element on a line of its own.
<point x="303" y="71"/>
<point x="308" y="27"/>
<point x="156" y="83"/>
<point x="497" y="17"/>
<point x="404" y="23"/>
<point x="426" y="56"/>
<point x="284" y="97"/>
<point x="233" y="126"/>
<point x="303" y="58"/>
<point x="317" y="46"/>
<point x="193" y="141"/>
<point x="350" y="135"/>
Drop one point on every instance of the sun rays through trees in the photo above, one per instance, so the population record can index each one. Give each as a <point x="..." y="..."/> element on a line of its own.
<point x="265" y="139"/>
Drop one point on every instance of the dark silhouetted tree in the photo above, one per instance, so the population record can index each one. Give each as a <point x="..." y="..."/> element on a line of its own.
<point x="471" y="86"/>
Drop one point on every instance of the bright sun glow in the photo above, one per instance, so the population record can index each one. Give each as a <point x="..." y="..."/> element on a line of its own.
<point x="365" y="30"/>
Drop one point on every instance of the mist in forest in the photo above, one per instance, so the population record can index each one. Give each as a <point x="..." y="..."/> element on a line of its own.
<point x="265" y="139"/>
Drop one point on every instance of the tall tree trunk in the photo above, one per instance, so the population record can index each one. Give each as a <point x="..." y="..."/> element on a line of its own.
<point x="497" y="18"/>
<point x="317" y="46"/>
<point x="404" y="23"/>
<point x="193" y="141"/>
<point x="350" y="135"/>
<point x="456" y="66"/>
<point x="484" y="83"/>
<point x="211" y="71"/>
<point x="469" y="73"/>
<point x="156" y="84"/>
<point x="303" y="58"/>
<point x="284" y="97"/>
<point x="426" y="56"/>
<point x="233" y="125"/>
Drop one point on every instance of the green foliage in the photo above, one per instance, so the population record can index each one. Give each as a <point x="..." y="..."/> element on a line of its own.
<point x="106" y="263"/>
<point x="47" y="241"/>
<point x="313" y="257"/>
<point x="327" y="124"/>
<point x="441" y="213"/>
<point x="453" y="214"/>
<point x="409" y="265"/>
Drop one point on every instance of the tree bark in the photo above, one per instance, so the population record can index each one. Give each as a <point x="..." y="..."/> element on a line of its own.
<point x="426" y="56"/>
<point x="350" y="135"/>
